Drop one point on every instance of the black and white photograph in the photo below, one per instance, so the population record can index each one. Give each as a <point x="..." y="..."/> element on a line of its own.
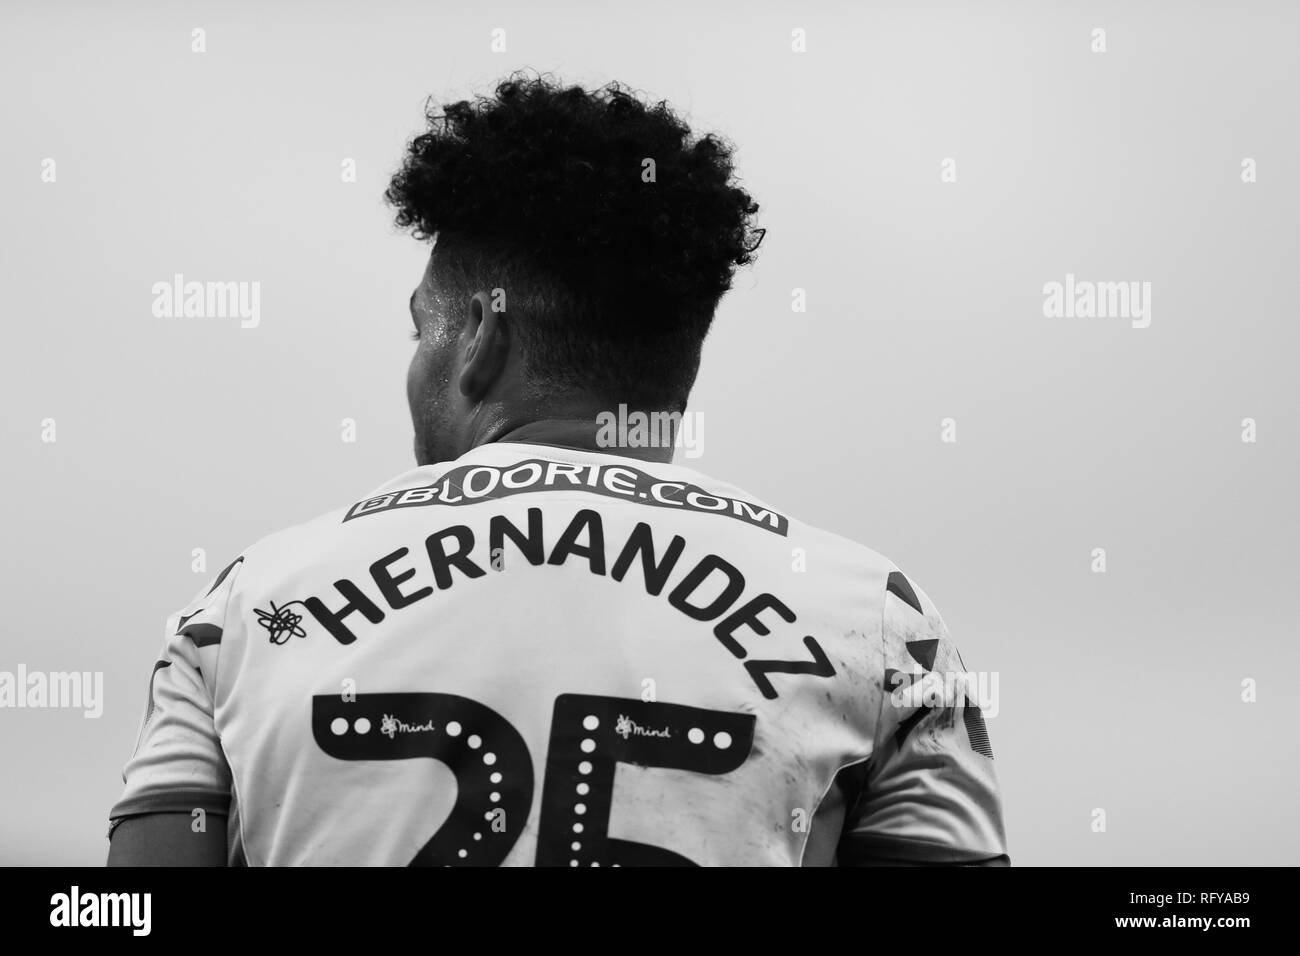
<point x="615" y="435"/>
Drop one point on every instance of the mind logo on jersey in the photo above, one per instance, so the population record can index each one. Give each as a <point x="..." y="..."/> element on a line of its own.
<point x="625" y="727"/>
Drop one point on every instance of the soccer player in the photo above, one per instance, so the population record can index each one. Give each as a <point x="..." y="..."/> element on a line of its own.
<point x="548" y="644"/>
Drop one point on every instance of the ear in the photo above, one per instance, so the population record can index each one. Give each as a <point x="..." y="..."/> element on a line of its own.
<point x="488" y="349"/>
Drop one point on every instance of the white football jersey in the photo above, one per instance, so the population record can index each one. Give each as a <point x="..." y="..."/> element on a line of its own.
<point x="541" y="655"/>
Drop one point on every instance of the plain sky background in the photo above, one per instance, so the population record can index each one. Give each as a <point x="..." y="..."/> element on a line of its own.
<point x="1119" y="691"/>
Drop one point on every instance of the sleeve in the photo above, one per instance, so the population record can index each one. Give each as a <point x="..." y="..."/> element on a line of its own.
<point x="178" y="764"/>
<point x="928" y="794"/>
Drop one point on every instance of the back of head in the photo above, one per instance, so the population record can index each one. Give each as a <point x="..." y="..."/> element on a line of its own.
<point x="610" y="230"/>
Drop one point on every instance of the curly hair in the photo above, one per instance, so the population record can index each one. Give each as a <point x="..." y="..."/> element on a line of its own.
<point x="612" y="274"/>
